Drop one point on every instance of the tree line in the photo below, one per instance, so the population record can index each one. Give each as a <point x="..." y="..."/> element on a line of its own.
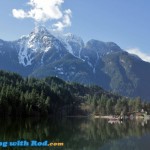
<point x="103" y="105"/>
<point x="52" y="96"/>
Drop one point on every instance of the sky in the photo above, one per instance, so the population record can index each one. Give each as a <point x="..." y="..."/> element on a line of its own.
<point x="125" y="22"/>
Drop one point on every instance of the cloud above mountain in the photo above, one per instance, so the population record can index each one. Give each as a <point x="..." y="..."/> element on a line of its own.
<point x="137" y="52"/>
<point x="46" y="10"/>
<point x="66" y="21"/>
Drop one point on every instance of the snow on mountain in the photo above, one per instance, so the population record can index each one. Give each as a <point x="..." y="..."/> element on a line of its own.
<point x="103" y="48"/>
<point x="25" y="53"/>
<point x="41" y="41"/>
<point x="74" y="44"/>
<point x="94" y="50"/>
<point x="42" y="53"/>
<point x="38" y="41"/>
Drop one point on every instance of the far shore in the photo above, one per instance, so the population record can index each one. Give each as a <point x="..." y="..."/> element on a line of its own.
<point x="104" y="117"/>
<point x="111" y="117"/>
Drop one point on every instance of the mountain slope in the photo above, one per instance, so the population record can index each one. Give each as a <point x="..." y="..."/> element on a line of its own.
<point x="42" y="53"/>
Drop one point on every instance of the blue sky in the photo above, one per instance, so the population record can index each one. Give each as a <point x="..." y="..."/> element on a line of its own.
<point x="125" y="22"/>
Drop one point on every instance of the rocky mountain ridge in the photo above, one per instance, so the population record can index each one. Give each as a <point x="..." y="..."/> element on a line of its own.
<point x="42" y="54"/>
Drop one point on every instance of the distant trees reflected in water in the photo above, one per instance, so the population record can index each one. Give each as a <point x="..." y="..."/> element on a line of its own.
<point x="77" y="134"/>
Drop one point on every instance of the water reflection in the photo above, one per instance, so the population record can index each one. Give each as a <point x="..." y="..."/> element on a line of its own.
<point x="78" y="133"/>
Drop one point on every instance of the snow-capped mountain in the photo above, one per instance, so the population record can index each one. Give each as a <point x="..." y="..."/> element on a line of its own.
<point x="41" y="41"/>
<point x="43" y="53"/>
<point x="37" y="44"/>
<point x="95" y="50"/>
<point x="74" y="44"/>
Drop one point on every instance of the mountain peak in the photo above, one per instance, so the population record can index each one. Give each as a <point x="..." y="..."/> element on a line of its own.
<point x="73" y="43"/>
<point x="40" y="29"/>
<point x="40" y="40"/>
<point x="102" y="47"/>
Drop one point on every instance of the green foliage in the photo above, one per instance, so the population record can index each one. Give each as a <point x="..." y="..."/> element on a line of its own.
<point x="53" y="96"/>
<point x="31" y="96"/>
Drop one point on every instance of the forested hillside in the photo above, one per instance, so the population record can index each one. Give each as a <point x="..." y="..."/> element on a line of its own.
<point x="42" y="53"/>
<point x="53" y="96"/>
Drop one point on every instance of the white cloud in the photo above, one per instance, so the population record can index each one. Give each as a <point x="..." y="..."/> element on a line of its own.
<point x="66" y="21"/>
<point x="19" y="13"/>
<point x="46" y="10"/>
<point x="137" y="52"/>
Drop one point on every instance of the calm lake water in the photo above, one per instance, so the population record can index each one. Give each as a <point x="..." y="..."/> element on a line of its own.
<point x="77" y="133"/>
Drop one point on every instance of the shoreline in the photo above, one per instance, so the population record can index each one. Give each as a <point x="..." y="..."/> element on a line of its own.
<point x="111" y="117"/>
<point x="104" y="117"/>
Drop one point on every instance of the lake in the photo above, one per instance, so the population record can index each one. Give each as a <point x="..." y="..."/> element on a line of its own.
<point x="76" y="133"/>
